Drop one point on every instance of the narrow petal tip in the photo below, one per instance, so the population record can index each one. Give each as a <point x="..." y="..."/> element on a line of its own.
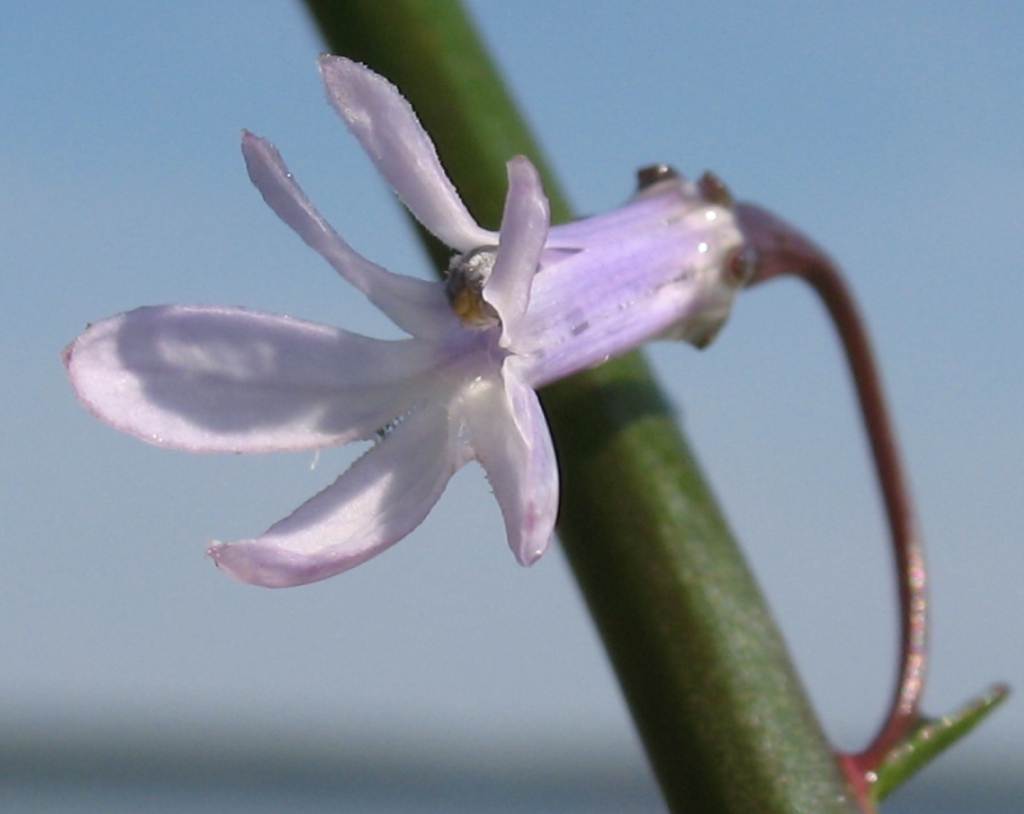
<point x="524" y="230"/>
<point x="230" y="558"/>
<point x="266" y="566"/>
<point x="387" y="127"/>
<point x="528" y="557"/>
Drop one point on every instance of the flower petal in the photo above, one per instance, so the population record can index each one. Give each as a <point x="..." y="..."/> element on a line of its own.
<point x="509" y="436"/>
<point x="414" y="305"/>
<point x="385" y="124"/>
<point x="524" y="228"/>
<point x="379" y="500"/>
<point x="210" y="379"/>
<point x="668" y="278"/>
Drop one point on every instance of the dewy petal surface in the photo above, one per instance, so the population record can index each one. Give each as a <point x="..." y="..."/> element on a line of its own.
<point x="210" y="379"/>
<point x="510" y="438"/>
<point x="414" y="305"/>
<point x="379" y="500"/>
<point x="524" y="228"/>
<point x="389" y="131"/>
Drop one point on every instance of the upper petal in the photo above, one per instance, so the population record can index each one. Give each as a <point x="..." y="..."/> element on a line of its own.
<point x="210" y="379"/>
<point x="524" y="228"/>
<point x="509" y="436"/>
<point x="379" y="500"/>
<point x="414" y="305"/>
<point x="389" y="131"/>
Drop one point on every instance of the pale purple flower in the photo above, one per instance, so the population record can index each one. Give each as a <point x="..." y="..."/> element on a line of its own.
<point x="521" y="308"/>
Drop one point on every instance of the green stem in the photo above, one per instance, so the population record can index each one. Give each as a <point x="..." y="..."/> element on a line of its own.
<point x="722" y="715"/>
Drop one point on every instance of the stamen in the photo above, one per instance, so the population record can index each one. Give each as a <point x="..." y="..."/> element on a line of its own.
<point x="464" y="285"/>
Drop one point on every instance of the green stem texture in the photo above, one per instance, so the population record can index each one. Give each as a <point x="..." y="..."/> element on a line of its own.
<point x="722" y="715"/>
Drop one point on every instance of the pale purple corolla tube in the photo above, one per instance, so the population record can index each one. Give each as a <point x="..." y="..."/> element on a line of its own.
<point x="520" y="308"/>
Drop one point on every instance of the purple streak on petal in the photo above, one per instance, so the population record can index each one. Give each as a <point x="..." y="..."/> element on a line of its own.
<point x="211" y="379"/>
<point x="665" y="278"/>
<point x="389" y="131"/>
<point x="509" y="436"/>
<point x="524" y="228"/>
<point x="414" y="305"/>
<point x="378" y="501"/>
<point x="637" y="215"/>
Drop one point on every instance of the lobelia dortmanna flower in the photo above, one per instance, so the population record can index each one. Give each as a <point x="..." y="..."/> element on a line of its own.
<point x="519" y="309"/>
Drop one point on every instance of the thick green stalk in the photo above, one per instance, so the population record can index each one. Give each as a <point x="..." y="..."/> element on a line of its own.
<point x="720" y="710"/>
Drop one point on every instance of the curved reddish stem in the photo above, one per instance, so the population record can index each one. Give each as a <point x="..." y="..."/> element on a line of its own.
<point x="780" y="248"/>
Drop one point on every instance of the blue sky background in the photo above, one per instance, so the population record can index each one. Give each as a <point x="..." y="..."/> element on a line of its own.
<point x="891" y="133"/>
